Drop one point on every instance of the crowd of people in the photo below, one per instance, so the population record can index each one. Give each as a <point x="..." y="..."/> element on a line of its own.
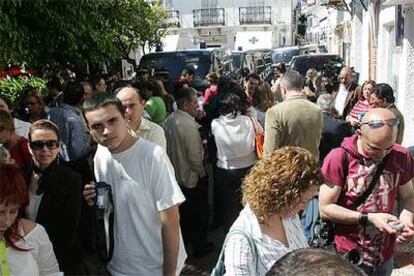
<point x="328" y="156"/>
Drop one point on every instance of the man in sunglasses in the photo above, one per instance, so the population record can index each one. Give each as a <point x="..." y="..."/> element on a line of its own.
<point x="349" y="171"/>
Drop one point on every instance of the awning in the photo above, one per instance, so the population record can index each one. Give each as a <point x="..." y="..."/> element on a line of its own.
<point x="398" y="2"/>
<point x="253" y="40"/>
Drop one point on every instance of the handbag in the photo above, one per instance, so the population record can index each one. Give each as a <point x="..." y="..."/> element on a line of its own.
<point x="220" y="269"/>
<point x="324" y="236"/>
<point x="259" y="137"/>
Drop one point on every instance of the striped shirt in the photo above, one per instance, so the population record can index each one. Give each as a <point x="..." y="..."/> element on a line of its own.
<point x="359" y="108"/>
<point x="238" y="257"/>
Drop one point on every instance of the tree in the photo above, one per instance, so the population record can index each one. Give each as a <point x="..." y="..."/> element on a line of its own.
<point x="143" y="27"/>
<point x="78" y="32"/>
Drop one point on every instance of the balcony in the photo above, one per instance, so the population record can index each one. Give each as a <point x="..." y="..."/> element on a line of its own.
<point x="209" y="17"/>
<point x="255" y="15"/>
<point x="173" y="19"/>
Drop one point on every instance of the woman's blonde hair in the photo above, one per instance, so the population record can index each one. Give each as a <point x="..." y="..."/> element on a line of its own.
<point x="277" y="182"/>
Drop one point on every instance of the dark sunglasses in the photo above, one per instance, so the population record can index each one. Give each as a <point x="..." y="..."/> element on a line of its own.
<point x="380" y="123"/>
<point x="38" y="145"/>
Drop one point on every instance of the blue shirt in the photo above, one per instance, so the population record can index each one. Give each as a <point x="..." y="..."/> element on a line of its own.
<point x="72" y="131"/>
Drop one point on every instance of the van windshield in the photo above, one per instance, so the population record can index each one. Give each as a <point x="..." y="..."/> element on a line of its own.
<point x="176" y="62"/>
<point x="284" y="55"/>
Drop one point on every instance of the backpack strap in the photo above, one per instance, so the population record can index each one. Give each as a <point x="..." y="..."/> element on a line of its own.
<point x="219" y="268"/>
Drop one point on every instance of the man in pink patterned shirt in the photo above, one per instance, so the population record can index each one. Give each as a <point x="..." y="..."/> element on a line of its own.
<point x="348" y="171"/>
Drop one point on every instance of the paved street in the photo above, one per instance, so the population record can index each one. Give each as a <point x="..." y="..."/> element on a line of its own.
<point x="203" y="266"/>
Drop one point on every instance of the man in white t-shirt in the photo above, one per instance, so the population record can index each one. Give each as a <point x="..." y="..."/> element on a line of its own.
<point x="147" y="238"/>
<point x="134" y="102"/>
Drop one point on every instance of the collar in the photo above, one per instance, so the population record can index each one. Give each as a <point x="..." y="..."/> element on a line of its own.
<point x="145" y="125"/>
<point x="179" y="111"/>
<point x="71" y="108"/>
<point x="251" y="219"/>
<point x="296" y="97"/>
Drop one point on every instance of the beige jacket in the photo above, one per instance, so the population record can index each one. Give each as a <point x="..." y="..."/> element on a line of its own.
<point x="294" y="122"/>
<point x="185" y="148"/>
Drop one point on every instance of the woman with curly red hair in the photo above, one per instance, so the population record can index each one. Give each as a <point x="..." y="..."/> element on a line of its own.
<point x="275" y="190"/>
<point x="25" y="248"/>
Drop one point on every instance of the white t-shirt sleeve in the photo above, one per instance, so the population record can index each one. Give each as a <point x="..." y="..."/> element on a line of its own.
<point x="43" y="251"/>
<point x="165" y="190"/>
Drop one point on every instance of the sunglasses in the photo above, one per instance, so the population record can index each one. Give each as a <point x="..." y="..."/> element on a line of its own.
<point x="38" y="145"/>
<point x="380" y="123"/>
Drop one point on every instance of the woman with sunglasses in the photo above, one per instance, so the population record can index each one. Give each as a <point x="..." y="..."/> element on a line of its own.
<point x="25" y="248"/>
<point x="55" y="196"/>
<point x="363" y="105"/>
<point x="15" y="144"/>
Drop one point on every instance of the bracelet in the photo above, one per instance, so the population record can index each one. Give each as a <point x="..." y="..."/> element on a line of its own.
<point x="363" y="218"/>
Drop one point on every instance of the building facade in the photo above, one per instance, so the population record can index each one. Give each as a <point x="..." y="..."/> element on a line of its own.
<point x="376" y="38"/>
<point x="234" y="24"/>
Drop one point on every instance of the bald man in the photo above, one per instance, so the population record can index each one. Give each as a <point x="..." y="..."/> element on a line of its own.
<point x="347" y="95"/>
<point x="349" y="170"/>
<point x="133" y="101"/>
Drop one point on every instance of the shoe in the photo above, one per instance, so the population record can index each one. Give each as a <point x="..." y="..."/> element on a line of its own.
<point x="206" y="250"/>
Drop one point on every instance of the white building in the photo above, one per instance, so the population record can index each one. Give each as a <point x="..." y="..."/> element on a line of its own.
<point x="235" y="24"/>
<point x="377" y="41"/>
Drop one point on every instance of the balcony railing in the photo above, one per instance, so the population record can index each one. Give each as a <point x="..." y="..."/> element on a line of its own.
<point x="209" y="17"/>
<point x="255" y="15"/>
<point x="173" y="19"/>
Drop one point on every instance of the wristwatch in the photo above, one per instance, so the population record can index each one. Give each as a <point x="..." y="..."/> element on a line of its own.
<point x="363" y="218"/>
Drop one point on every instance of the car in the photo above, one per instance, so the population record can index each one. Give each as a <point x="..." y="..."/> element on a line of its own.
<point x="285" y="54"/>
<point x="327" y="64"/>
<point x="200" y="60"/>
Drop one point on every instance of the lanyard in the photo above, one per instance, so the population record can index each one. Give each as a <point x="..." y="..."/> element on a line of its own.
<point x="4" y="265"/>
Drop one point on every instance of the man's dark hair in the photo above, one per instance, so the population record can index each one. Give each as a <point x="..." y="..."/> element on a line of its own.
<point x="292" y="80"/>
<point x="184" y="95"/>
<point x="384" y="91"/>
<point x="100" y="101"/>
<point x="73" y="93"/>
<point x="139" y="87"/>
<point x="311" y="261"/>
<point x="252" y="75"/>
<point x="189" y="71"/>
<point x="119" y="84"/>
<point x="152" y="88"/>
<point x="54" y="83"/>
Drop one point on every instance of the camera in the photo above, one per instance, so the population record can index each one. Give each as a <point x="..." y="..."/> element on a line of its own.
<point x="397" y="226"/>
<point x="102" y="195"/>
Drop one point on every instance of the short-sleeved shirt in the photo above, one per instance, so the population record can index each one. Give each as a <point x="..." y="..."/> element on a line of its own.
<point x="399" y="170"/>
<point x="143" y="184"/>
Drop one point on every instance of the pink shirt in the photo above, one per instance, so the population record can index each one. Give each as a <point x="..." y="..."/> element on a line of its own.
<point x="359" y="108"/>
<point x="376" y="248"/>
<point x="210" y="92"/>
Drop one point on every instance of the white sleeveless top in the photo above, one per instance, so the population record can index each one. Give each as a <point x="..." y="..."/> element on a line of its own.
<point x="39" y="260"/>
